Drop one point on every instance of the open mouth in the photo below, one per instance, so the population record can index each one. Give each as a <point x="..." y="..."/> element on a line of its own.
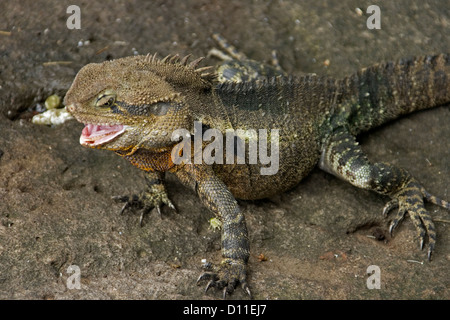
<point x="95" y="135"/>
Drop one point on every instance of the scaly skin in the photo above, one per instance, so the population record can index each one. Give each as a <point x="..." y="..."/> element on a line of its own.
<point x="142" y="100"/>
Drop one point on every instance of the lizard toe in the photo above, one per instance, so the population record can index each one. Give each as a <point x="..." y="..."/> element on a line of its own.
<point x="146" y="202"/>
<point x="411" y="200"/>
<point x="226" y="277"/>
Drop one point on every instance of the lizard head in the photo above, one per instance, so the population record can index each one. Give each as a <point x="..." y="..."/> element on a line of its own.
<point x="135" y="102"/>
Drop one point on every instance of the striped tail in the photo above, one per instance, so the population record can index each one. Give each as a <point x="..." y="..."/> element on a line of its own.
<point x="384" y="92"/>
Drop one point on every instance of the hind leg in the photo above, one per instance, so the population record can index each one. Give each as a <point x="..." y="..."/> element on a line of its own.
<point x="342" y="156"/>
<point x="236" y="67"/>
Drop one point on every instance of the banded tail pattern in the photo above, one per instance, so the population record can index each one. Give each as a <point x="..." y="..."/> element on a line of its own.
<point x="385" y="91"/>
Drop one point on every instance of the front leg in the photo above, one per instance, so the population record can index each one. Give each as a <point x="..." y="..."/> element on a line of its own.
<point x="343" y="157"/>
<point x="214" y="194"/>
<point x="154" y="196"/>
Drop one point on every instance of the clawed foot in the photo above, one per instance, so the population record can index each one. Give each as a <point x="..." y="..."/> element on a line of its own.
<point x="146" y="201"/>
<point x="411" y="199"/>
<point x="226" y="276"/>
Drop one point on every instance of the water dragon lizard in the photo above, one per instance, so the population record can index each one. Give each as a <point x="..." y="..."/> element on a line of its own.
<point x="133" y="105"/>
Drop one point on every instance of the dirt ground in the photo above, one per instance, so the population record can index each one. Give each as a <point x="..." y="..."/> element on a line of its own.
<point x="55" y="195"/>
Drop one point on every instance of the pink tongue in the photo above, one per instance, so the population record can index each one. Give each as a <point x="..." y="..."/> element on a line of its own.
<point x="93" y="134"/>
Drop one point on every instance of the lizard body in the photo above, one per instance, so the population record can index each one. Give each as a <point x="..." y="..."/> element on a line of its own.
<point x="133" y="105"/>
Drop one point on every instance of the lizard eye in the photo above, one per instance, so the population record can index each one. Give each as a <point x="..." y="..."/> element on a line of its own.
<point x="105" y="100"/>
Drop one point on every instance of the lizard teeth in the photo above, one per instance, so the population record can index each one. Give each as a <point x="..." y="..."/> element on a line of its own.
<point x="98" y="134"/>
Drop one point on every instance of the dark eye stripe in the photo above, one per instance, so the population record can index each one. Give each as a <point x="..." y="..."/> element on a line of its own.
<point x="115" y="108"/>
<point x="156" y="109"/>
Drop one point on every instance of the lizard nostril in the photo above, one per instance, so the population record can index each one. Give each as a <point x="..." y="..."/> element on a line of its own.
<point x="71" y="108"/>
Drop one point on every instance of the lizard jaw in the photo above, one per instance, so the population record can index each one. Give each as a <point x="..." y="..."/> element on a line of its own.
<point x="95" y="135"/>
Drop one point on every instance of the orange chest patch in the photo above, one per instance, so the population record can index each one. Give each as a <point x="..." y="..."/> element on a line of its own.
<point x="150" y="161"/>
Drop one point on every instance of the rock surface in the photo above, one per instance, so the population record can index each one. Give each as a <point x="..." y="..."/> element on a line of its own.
<point x="319" y="238"/>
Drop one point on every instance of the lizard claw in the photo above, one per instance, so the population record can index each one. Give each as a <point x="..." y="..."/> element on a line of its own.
<point x="210" y="284"/>
<point x="141" y="218"/>
<point x="390" y="206"/>
<point x="171" y="206"/>
<point x="146" y="201"/>
<point x="226" y="277"/>
<point x="129" y="202"/>
<point x="399" y="216"/>
<point x="246" y="289"/>
<point x="125" y="207"/>
<point x="411" y="200"/>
